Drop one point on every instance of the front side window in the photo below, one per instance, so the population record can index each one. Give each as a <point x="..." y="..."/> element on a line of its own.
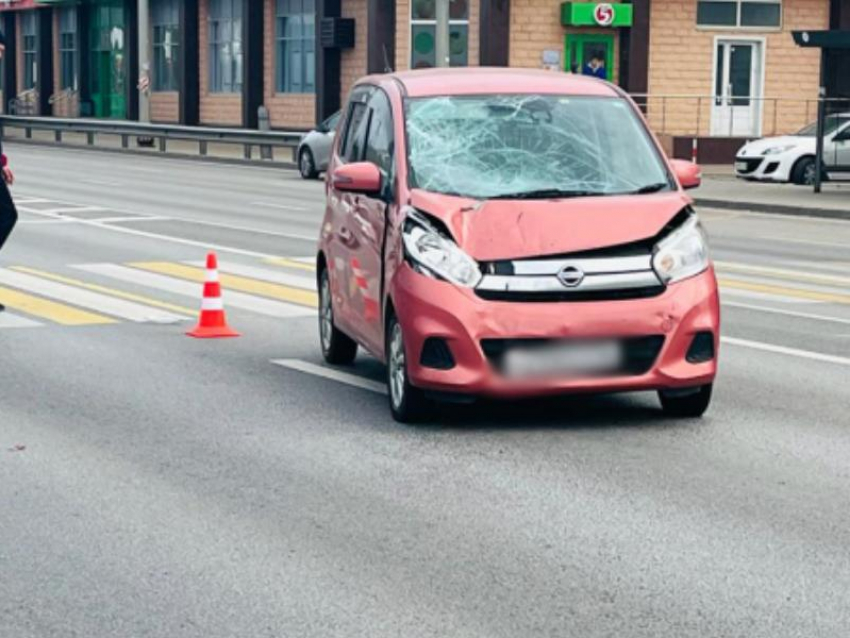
<point x="739" y="13"/>
<point x="515" y="146"/>
<point x="30" y="46"/>
<point x="225" y="35"/>
<point x="165" y="38"/>
<point x="423" y="30"/>
<point x="380" y="147"/>
<point x="296" y="46"/>
<point x="68" y="48"/>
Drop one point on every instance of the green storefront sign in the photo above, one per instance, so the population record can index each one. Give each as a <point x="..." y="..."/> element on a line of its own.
<point x="596" y="14"/>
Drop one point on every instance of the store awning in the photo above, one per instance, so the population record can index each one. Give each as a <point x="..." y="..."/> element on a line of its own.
<point x="833" y="39"/>
<point x="17" y="5"/>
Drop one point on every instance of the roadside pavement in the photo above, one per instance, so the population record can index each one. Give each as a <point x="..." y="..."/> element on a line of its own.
<point x="721" y="189"/>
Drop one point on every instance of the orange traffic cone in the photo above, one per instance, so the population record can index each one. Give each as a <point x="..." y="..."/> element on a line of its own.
<point x="213" y="323"/>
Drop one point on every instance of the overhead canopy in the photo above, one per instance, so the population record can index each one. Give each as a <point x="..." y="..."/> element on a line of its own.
<point x="834" y="39"/>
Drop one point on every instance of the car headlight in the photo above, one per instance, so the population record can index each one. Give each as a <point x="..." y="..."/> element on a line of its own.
<point x="436" y="255"/>
<point x="776" y="150"/>
<point x="682" y="254"/>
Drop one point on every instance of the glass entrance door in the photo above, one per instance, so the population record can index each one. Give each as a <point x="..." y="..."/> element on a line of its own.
<point x="590" y="54"/>
<point x="108" y="59"/>
<point x="737" y="105"/>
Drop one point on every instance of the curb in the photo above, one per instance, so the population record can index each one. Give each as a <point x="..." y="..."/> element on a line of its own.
<point x="776" y="209"/>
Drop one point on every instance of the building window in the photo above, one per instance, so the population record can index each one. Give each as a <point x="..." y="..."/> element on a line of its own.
<point x="739" y="13"/>
<point x="165" y="23"/>
<point x="296" y="46"/>
<point x="68" y="48"/>
<point x="28" y="33"/>
<point x="423" y="27"/>
<point x="225" y="31"/>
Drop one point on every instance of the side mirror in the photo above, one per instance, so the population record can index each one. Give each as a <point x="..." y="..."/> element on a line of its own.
<point x="361" y="177"/>
<point x="688" y="173"/>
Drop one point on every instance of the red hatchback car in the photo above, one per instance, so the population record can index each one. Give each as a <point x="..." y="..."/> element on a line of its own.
<point x="513" y="233"/>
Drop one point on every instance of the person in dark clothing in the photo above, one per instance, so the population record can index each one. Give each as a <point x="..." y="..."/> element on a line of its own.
<point x="596" y="67"/>
<point x="8" y="212"/>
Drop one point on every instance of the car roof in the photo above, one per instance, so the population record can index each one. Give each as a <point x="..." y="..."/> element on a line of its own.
<point x="483" y="80"/>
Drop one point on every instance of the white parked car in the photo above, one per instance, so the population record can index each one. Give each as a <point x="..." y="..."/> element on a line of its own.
<point x="791" y="158"/>
<point x="314" y="149"/>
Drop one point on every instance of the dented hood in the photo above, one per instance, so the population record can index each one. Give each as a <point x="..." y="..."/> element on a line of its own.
<point x="514" y="229"/>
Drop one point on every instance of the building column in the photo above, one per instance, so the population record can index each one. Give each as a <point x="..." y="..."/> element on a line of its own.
<point x="253" y="39"/>
<point x="84" y="58"/>
<point x="327" y="63"/>
<point x="634" y="51"/>
<point x="190" y="69"/>
<point x="131" y="52"/>
<point x="10" y="66"/>
<point x="380" y="25"/>
<point x="495" y="32"/>
<point x="44" y="83"/>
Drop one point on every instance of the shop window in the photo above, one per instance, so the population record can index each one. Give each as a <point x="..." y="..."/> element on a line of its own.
<point x="296" y="46"/>
<point x="165" y="36"/>
<point x="30" y="46"/>
<point x="225" y="33"/>
<point x="423" y="27"/>
<point x="739" y="13"/>
<point x="68" y="48"/>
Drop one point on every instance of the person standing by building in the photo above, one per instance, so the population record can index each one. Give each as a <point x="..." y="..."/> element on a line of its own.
<point x="8" y="212"/>
<point x="596" y="67"/>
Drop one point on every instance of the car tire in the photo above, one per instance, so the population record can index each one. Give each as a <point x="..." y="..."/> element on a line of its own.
<point x="688" y="405"/>
<point x="337" y="347"/>
<point x="307" y="164"/>
<point x="803" y="172"/>
<point x="408" y="404"/>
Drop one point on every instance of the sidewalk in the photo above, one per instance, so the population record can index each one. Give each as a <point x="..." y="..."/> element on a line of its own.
<point x="720" y="189"/>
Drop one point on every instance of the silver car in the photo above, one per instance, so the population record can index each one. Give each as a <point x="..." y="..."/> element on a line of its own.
<point x="315" y="148"/>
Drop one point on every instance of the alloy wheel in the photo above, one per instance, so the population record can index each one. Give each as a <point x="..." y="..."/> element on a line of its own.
<point x="397" y="375"/>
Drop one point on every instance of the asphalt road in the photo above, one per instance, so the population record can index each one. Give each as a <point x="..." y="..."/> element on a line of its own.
<point x="154" y="485"/>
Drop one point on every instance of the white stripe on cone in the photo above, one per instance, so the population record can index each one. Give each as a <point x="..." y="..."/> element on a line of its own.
<point x="212" y="276"/>
<point x="212" y="303"/>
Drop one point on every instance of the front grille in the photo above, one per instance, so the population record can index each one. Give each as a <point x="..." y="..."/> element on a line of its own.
<point x="751" y="164"/>
<point x="572" y="295"/>
<point x="639" y="353"/>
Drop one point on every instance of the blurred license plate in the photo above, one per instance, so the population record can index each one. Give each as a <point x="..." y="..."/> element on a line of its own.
<point x="740" y="166"/>
<point x="564" y="359"/>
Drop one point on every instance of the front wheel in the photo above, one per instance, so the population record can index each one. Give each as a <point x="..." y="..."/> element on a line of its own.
<point x="407" y="403"/>
<point x="689" y="403"/>
<point x="337" y="347"/>
<point x="803" y="172"/>
<point x="307" y="164"/>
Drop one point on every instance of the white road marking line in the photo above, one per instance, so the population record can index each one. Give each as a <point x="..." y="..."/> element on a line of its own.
<point x="246" y="229"/>
<point x="280" y="206"/>
<point x="259" y="305"/>
<point x="97" y="182"/>
<point x="788" y="313"/>
<point x="808" y="242"/>
<point x="263" y="274"/>
<point x="135" y="218"/>
<point x="33" y="200"/>
<point x="334" y="375"/>
<point x="80" y="297"/>
<point x="73" y="209"/>
<point x="764" y="296"/>
<point x="793" y="352"/>
<point x="40" y="222"/>
<point x="8" y="320"/>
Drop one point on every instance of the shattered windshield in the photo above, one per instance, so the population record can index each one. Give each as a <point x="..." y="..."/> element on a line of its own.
<point x="529" y="146"/>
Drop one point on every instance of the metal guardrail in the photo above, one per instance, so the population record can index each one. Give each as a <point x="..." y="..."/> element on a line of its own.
<point x="162" y="133"/>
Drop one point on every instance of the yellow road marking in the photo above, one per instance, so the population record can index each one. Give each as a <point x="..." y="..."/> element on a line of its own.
<point x="56" y="312"/>
<point x="797" y="293"/>
<point x="290" y="263"/>
<point x="234" y="282"/>
<point x="783" y="273"/>
<point x="107" y="291"/>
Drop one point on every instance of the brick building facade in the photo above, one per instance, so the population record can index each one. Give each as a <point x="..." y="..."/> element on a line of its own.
<point x="706" y="68"/>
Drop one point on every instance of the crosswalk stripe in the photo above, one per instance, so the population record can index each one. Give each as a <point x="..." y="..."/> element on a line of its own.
<point x="298" y="264"/>
<point x="108" y="291"/>
<point x="45" y="309"/>
<point x="181" y="287"/>
<point x="234" y="282"/>
<point x="8" y="320"/>
<point x="128" y="310"/>
<point x="783" y="274"/>
<point x="263" y="274"/>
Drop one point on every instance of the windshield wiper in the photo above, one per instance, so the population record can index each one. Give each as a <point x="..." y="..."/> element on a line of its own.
<point x="649" y="188"/>
<point x="547" y="193"/>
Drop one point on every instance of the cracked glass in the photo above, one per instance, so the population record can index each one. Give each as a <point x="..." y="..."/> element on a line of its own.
<point x="503" y="146"/>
